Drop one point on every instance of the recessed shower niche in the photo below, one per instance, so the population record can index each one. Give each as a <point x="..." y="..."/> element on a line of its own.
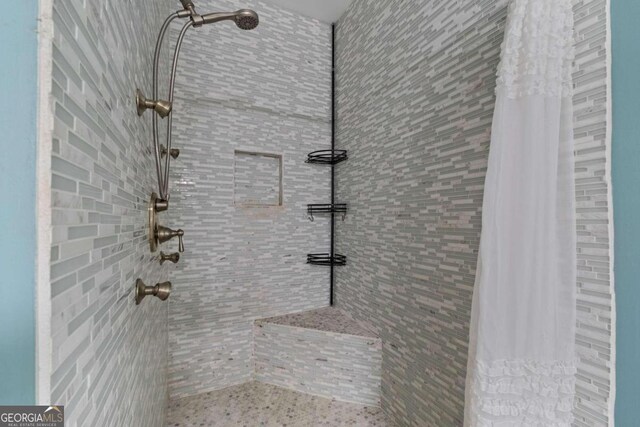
<point x="257" y="179"/>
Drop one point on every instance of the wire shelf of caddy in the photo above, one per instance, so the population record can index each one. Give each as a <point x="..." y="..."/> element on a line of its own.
<point x="325" y="259"/>
<point x="327" y="157"/>
<point x="326" y="208"/>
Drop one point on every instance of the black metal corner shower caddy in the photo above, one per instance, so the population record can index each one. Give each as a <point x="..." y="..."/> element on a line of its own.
<point x="332" y="158"/>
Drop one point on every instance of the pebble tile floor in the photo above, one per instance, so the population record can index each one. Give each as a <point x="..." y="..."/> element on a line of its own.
<point x="255" y="404"/>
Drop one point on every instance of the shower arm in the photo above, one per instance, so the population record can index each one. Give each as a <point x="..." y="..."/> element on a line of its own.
<point x="195" y="17"/>
<point x="188" y="6"/>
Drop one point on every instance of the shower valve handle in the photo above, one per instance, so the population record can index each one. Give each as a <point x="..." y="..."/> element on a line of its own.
<point x="160" y="290"/>
<point x="180" y="242"/>
<point x="164" y="234"/>
<point x="174" y="257"/>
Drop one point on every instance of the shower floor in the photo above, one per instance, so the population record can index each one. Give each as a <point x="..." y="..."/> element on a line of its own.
<point x="256" y="404"/>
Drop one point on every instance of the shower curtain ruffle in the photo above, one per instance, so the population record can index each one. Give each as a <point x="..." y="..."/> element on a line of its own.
<point x="521" y="369"/>
<point x="533" y="393"/>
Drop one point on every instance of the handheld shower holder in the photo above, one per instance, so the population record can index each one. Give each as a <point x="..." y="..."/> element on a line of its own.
<point x="190" y="10"/>
<point x="174" y="257"/>
<point x="174" y="152"/>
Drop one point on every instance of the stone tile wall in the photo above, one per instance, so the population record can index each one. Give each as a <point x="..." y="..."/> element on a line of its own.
<point x="321" y="352"/>
<point x="109" y="357"/>
<point x="415" y="94"/>
<point x="264" y="91"/>
<point x="595" y="332"/>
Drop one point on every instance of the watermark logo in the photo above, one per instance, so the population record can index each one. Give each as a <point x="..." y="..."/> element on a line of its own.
<point x="31" y="416"/>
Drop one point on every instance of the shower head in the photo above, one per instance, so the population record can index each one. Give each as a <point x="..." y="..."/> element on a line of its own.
<point x="245" y="19"/>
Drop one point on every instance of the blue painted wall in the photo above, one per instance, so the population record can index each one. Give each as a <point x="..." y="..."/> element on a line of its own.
<point x="625" y="23"/>
<point x="18" y="106"/>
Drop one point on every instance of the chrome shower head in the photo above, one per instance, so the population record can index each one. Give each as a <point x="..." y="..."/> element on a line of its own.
<point x="245" y="19"/>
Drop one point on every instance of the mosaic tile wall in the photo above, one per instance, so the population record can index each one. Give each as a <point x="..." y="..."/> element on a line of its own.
<point x="594" y="336"/>
<point x="301" y="353"/>
<point x="109" y="357"/>
<point x="415" y="102"/>
<point x="263" y="91"/>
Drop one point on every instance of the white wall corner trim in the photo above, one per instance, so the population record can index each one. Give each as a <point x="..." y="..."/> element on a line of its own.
<point x="609" y="142"/>
<point x="43" y="204"/>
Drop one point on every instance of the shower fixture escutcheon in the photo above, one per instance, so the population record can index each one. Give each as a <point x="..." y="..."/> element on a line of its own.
<point x="160" y="290"/>
<point x="156" y="205"/>
<point x="157" y="233"/>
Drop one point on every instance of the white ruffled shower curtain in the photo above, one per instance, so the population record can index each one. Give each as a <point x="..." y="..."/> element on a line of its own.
<point x="521" y="369"/>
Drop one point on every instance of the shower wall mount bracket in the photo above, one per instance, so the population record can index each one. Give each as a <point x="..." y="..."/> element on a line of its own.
<point x="163" y="108"/>
<point x="153" y="222"/>
<point x="156" y="205"/>
<point x="174" y="152"/>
